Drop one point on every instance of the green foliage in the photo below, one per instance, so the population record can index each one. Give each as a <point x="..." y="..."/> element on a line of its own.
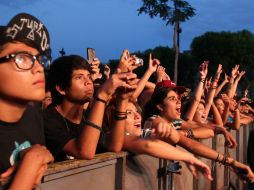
<point x="168" y="10"/>
<point x="226" y="48"/>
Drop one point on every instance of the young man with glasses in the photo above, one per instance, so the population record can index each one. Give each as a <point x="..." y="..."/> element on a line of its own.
<point x="24" y="48"/>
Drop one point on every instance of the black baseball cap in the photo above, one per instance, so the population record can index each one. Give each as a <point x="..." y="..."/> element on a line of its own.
<point x="25" y="27"/>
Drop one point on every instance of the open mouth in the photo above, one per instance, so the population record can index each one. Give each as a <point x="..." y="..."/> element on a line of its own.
<point x="178" y="110"/>
<point x="137" y="125"/>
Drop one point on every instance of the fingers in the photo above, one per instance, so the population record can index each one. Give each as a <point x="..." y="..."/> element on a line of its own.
<point x="193" y="171"/>
<point x="164" y="130"/>
<point x="95" y="62"/>
<point x="39" y="153"/>
<point x="206" y="171"/>
<point x="41" y="172"/>
<point x="125" y="54"/>
<point x="8" y="172"/>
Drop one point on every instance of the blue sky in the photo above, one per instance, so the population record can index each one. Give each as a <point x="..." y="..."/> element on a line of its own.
<point x="113" y="25"/>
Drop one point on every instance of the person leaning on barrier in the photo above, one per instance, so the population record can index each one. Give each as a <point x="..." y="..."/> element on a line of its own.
<point x="70" y="130"/>
<point x="146" y="144"/>
<point x="24" y="48"/>
<point x="165" y="103"/>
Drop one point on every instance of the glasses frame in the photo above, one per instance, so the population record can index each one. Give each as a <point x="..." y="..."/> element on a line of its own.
<point x="33" y="58"/>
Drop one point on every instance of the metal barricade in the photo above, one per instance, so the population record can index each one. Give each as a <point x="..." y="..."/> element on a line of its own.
<point x="120" y="171"/>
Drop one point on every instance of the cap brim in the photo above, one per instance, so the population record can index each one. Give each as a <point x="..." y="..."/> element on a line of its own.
<point x="179" y="89"/>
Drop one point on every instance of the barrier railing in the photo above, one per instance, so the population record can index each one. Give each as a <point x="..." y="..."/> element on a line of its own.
<point x="105" y="171"/>
<point x="224" y="178"/>
<point x="120" y="171"/>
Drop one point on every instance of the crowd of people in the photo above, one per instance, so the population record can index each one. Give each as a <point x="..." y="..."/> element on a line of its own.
<point x="81" y="115"/>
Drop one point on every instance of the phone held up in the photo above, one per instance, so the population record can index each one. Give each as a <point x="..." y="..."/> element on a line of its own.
<point x="90" y="55"/>
<point x="138" y="61"/>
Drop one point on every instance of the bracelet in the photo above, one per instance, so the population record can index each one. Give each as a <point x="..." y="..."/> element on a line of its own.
<point x="89" y="123"/>
<point x="177" y="123"/>
<point x="202" y="80"/>
<point x="216" y="80"/>
<point x="217" y="159"/>
<point x="120" y="118"/>
<point x="225" y="160"/>
<point x="190" y="133"/>
<point x="99" y="99"/>
<point x="119" y="115"/>
<point x="121" y="112"/>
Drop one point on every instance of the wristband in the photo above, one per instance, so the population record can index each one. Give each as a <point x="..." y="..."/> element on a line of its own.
<point x="119" y="115"/>
<point x="202" y="80"/>
<point x="190" y="133"/>
<point x="89" y="123"/>
<point x="99" y="99"/>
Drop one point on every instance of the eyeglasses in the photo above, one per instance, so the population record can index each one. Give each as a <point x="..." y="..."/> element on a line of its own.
<point x="24" y="60"/>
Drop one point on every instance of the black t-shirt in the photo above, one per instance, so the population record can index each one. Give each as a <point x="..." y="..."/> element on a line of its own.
<point x="59" y="130"/>
<point x="20" y="135"/>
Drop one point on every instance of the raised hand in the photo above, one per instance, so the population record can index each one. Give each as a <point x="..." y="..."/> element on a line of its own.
<point x="95" y="73"/>
<point x="161" y="74"/>
<point x="106" y="71"/>
<point x="116" y="80"/>
<point x="225" y="98"/>
<point x="153" y="64"/>
<point x="226" y="78"/>
<point x="127" y="63"/>
<point x="218" y="72"/>
<point x="240" y="74"/>
<point x="203" y="70"/>
<point x="235" y="71"/>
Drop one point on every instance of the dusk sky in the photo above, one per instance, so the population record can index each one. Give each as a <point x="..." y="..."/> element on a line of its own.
<point x="110" y="26"/>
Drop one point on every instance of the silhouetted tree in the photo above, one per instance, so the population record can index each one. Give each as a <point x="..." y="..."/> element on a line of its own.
<point x="172" y="12"/>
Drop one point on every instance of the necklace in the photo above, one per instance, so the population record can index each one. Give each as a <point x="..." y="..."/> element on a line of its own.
<point x="65" y="120"/>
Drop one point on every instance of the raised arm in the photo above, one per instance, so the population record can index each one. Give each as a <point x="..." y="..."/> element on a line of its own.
<point x="224" y="82"/>
<point x="216" y="115"/>
<point x="115" y="137"/>
<point x="203" y="70"/>
<point x="237" y="79"/>
<point x="230" y="90"/>
<point x="153" y="64"/>
<point x="210" y="96"/>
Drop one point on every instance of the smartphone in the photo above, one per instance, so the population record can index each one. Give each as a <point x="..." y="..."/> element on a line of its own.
<point x="246" y="93"/>
<point x="90" y="55"/>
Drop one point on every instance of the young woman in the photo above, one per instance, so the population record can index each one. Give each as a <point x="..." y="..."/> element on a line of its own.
<point x="166" y="104"/>
<point x="138" y="141"/>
